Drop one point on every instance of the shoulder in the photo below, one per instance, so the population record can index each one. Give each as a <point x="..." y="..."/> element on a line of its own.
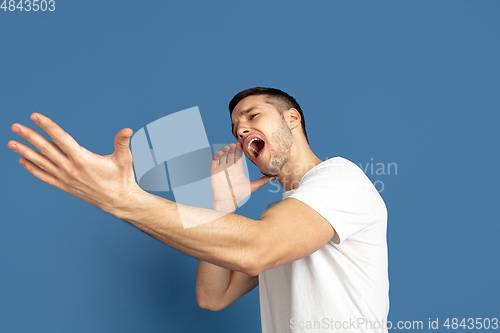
<point x="333" y="165"/>
<point x="335" y="171"/>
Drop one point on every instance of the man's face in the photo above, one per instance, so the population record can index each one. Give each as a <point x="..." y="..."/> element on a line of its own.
<point x="263" y="134"/>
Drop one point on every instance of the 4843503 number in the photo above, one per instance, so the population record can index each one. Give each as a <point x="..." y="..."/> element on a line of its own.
<point x="28" y="5"/>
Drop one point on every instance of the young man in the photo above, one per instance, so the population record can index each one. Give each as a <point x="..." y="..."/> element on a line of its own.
<point x="319" y="255"/>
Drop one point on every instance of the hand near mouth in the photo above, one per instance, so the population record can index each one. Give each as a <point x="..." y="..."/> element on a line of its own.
<point x="230" y="186"/>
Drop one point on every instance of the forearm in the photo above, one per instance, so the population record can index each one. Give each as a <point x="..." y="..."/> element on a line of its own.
<point x="212" y="282"/>
<point x="217" y="287"/>
<point x="227" y="240"/>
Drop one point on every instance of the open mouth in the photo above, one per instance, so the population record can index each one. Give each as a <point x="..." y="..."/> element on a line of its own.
<point x="255" y="146"/>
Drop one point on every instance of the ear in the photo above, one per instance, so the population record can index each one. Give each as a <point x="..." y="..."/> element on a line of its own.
<point x="293" y="118"/>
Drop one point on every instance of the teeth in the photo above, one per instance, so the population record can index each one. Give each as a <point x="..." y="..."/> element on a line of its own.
<point x="255" y="152"/>
<point x="251" y="143"/>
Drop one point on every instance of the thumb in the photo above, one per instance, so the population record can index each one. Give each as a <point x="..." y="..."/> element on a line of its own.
<point x="122" y="141"/>
<point x="258" y="183"/>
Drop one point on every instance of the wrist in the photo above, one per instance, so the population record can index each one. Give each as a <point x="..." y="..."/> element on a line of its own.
<point x="228" y="206"/>
<point x="130" y="203"/>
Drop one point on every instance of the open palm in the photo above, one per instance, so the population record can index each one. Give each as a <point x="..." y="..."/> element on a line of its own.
<point x="230" y="186"/>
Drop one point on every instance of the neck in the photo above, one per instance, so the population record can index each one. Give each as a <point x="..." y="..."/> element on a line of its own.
<point x="301" y="160"/>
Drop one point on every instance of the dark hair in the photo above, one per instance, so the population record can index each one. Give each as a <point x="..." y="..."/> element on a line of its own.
<point x="280" y="99"/>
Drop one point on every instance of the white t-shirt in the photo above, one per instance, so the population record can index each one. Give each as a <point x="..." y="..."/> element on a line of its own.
<point x="344" y="286"/>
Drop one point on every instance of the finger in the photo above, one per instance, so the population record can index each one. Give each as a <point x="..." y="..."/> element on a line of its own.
<point x="223" y="157"/>
<point x="122" y="144"/>
<point x="56" y="147"/>
<point x="43" y="175"/>
<point x="238" y="154"/>
<point x="213" y="169"/>
<point x="256" y="184"/>
<point x="230" y="154"/>
<point x="219" y="181"/>
<point x="35" y="157"/>
<point x="216" y="157"/>
<point x="58" y="135"/>
<point x="43" y="145"/>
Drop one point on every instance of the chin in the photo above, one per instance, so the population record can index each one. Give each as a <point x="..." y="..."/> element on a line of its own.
<point x="271" y="170"/>
<point x="270" y="174"/>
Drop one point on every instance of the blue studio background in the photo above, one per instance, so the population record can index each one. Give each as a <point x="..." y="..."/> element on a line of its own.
<point x="411" y="84"/>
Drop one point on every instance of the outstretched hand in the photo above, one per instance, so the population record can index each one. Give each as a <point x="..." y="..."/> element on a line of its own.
<point x="230" y="186"/>
<point x="104" y="181"/>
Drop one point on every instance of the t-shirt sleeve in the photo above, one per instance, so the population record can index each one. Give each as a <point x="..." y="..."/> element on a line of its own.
<point x="341" y="193"/>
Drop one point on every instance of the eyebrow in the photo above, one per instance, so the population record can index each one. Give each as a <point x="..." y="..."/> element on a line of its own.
<point x="242" y="113"/>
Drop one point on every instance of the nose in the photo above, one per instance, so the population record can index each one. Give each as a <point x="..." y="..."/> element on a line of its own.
<point x="242" y="132"/>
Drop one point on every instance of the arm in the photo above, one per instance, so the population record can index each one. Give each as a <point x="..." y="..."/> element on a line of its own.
<point x="231" y="241"/>
<point x="218" y="287"/>
<point x="286" y="232"/>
